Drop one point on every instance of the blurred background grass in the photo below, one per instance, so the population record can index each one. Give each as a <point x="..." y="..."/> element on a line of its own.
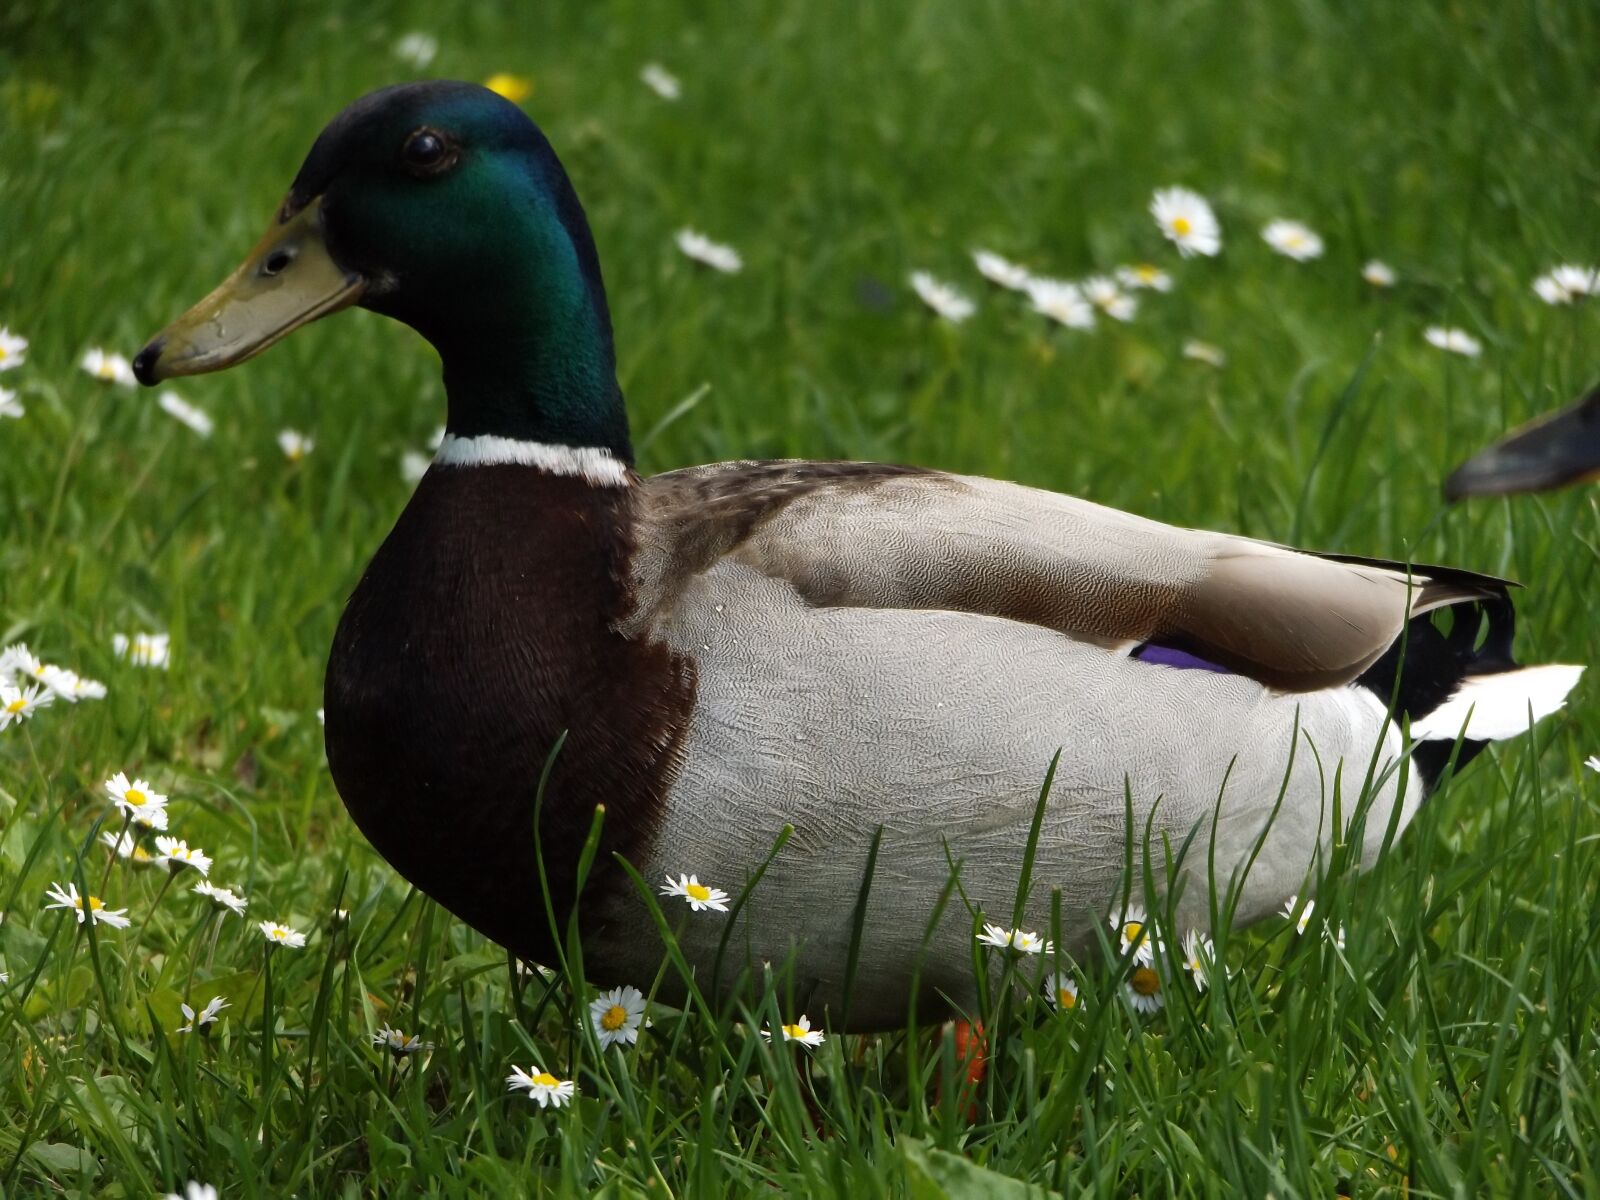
<point x="838" y="146"/>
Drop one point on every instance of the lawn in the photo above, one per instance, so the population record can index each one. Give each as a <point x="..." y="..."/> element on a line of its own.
<point x="1448" y="1048"/>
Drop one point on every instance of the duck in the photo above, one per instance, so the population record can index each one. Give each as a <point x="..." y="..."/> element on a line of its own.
<point x="845" y="692"/>
<point x="1557" y="450"/>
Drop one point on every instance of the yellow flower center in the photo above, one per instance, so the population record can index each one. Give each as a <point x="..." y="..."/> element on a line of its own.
<point x="105" y="371"/>
<point x="1145" y="981"/>
<point x="614" y="1018"/>
<point x="698" y="891"/>
<point x="4" y="354"/>
<point x="17" y="705"/>
<point x="96" y="904"/>
<point x="545" y="1079"/>
<point x="795" y="1032"/>
<point x="278" y="934"/>
<point x="1146" y="272"/>
<point x="1132" y="932"/>
<point x="134" y="797"/>
<point x="140" y="854"/>
<point x="1067" y="998"/>
<point x="1181" y="226"/>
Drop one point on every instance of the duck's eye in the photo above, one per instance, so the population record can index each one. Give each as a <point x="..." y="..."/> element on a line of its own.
<point x="426" y="152"/>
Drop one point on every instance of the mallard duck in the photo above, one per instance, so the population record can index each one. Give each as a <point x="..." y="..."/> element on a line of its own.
<point x="1559" y="449"/>
<point x="840" y="647"/>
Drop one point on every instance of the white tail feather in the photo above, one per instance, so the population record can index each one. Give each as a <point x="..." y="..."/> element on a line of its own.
<point x="1492" y="707"/>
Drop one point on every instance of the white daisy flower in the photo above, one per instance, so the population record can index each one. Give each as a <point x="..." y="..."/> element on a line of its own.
<point x="282" y="935"/>
<point x="294" y="444"/>
<point x="713" y="254"/>
<point x="1291" y="907"/>
<point x="322" y="717"/>
<point x="616" y="1016"/>
<point x="1205" y="352"/>
<point x="1001" y="271"/>
<point x="398" y="1043"/>
<point x="17" y="659"/>
<point x="942" y="297"/>
<point x="1378" y="273"/>
<point x="206" y="1016"/>
<point x="1456" y="341"/>
<point x="95" y="909"/>
<point x="1061" y="991"/>
<point x="1107" y="295"/>
<point x="1143" y="990"/>
<point x="194" y="1191"/>
<point x="1198" y="955"/>
<point x="699" y="896"/>
<point x="1187" y="221"/>
<point x="1577" y="281"/>
<point x="1292" y="240"/>
<point x="543" y="1088"/>
<point x="62" y="683"/>
<point x="108" y="368"/>
<point x="126" y="845"/>
<point x="1062" y="302"/>
<point x="176" y="407"/>
<point x="223" y="897"/>
<point x="800" y="1031"/>
<point x="660" y="81"/>
<point x="178" y="855"/>
<point x="10" y="406"/>
<point x="1144" y="277"/>
<point x="413" y="466"/>
<point x="1337" y="937"/>
<point x="17" y="705"/>
<point x="137" y="799"/>
<point x="998" y="937"/>
<point x="1593" y="762"/>
<point x="417" y="49"/>
<point x="1134" y="934"/>
<point x="13" y="349"/>
<point x="143" y="649"/>
<point x="1550" y="291"/>
<point x="87" y="689"/>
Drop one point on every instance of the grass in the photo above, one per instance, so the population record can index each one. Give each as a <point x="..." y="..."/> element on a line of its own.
<point x="1449" y="1049"/>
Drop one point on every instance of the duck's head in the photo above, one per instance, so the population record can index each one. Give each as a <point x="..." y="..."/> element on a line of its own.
<point x="1554" y="451"/>
<point x="441" y="205"/>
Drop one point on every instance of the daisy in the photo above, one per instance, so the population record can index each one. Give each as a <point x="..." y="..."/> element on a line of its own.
<point x="1305" y="913"/>
<point x="1337" y="937"/>
<point x="1133" y="934"/>
<point x="942" y="298"/>
<point x="194" y="1191"/>
<point x="10" y="406"/>
<point x="800" y="1031"/>
<point x="224" y="898"/>
<point x="86" y="689"/>
<point x="138" y="800"/>
<point x="1550" y="291"/>
<point x="1292" y="240"/>
<point x="1456" y="341"/>
<point x="1378" y="273"/>
<point x="1579" y="281"/>
<point x="1144" y="276"/>
<point x="179" y="855"/>
<point x="660" y="81"/>
<point x="416" y="49"/>
<point x="1593" y="762"/>
<point x="1107" y="295"/>
<point x="17" y="706"/>
<point x="108" y="368"/>
<point x="95" y="909"/>
<point x="17" y="659"/>
<point x="616" y="1016"/>
<point x="1061" y="991"/>
<point x="1198" y="955"/>
<point x="413" y="466"/>
<point x="1143" y="990"/>
<point x="143" y="649"/>
<point x="126" y="845"/>
<point x="13" y="349"/>
<point x="179" y="409"/>
<point x="282" y="935"/>
<point x="294" y="444"/>
<point x="1187" y="221"/>
<point x="998" y="937"/>
<point x="398" y="1043"/>
<point x="1001" y="270"/>
<point x="62" y="683"/>
<point x="543" y="1088"/>
<point x="1062" y="302"/>
<point x="698" y="895"/>
<point x="713" y="254"/>
<point x="206" y="1016"/>
<point x="515" y="88"/>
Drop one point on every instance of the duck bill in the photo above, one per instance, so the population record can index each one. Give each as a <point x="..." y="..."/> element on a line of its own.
<point x="289" y="280"/>
<point x="1552" y="452"/>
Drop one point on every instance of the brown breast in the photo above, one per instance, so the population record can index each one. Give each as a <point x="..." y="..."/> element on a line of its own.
<point x="483" y="630"/>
